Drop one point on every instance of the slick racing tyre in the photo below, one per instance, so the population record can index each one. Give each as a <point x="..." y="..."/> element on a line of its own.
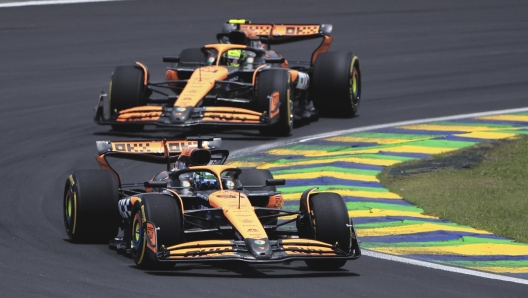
<point x="91" y="213"/>
<point x="336" y="84"/>
<point x="273" y="90"/>
<point x="164" y="212"/>
<point x="329" y="220"/>
<point x="252" y="176"/>
<point x="127" y="90"/>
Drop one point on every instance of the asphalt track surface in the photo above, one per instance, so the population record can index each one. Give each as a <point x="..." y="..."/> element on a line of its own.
<point x="419" y="59"/>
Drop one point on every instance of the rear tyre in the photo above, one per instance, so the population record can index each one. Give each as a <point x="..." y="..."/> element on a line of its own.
<point x="127" y="90"/>
<point x="164" y="211"/>
<point x="336" y="84"/>
<point x="90" y="206"/>
<point x="252" y="176"/>
<point x="270" y="83"/>
<point x="329" y="220"/>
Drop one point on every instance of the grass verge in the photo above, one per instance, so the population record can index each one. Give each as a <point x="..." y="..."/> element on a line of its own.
<point x="485" y="186"/>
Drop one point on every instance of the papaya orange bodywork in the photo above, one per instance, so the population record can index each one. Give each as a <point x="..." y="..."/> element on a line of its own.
<point x="171" y="75"/>
<point x="274" y="104"/>
<point x="200" y="83"/>
<point x="238" y="210"/>
<point x="323" y="47"/>
<point x="145" y="72"/>
<point x="276" y="201"/>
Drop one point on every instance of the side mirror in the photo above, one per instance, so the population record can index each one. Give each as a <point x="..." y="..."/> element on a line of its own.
<point x="155" y="184"/>
<point x="274" y="60"/>
<point x="171" y="59"/>
<point x="274" y="182"/>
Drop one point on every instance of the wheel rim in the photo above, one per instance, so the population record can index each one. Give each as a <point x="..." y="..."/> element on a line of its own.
<point x="137" y="232"/>
<point x="69" y="208"/>
<point x="354" y="85"/>
<point x="69" y="211"/>
<point x="290" y="103"/>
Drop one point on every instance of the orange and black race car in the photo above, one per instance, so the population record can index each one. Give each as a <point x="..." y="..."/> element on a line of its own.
<point x="238" y="82"/>
<point x="200" y="210"/>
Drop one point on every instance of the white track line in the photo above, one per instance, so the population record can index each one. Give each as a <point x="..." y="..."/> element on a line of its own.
<point x="443" y="267"/>
<point x="49" y="2"/>
<point x="260" y="148"/>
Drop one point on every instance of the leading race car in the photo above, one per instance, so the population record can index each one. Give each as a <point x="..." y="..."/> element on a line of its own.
<point x="203" y="210"/>
<point x="238" y="82"/>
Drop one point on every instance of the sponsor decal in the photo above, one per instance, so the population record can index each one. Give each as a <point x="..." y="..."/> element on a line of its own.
<point x="151" y="234"/>
<point x="305" y="250"/>
<point x="278" y="202"/>
<point x="259" y="242"/>
<point x="245" y="220"/>
<point x="252" y="230"/>
<point x="132" y="147"/>
<point x="227" y="197"/>
<point x="186" y="99"/>
<point x="209" y="69"/>
<point x="171" y="76"/>
<point x="274" y="104"/>
<point x="180" y="109"/>
<point x="206" y="252"/>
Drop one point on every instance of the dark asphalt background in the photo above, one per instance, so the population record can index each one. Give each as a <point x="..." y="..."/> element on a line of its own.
<point x="419" y="59"/>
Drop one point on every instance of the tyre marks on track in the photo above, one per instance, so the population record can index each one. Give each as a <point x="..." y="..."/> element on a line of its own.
<point x="385" y="223"/>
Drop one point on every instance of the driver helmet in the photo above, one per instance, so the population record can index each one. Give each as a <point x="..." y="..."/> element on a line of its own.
<point x="228" y="184"/>
<point x="205" y="181"/>
<point x="235" y="57"/>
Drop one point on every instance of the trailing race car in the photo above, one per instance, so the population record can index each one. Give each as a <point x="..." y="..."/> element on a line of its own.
<point x="239" y="83"/>
<point x="202" y="210"/>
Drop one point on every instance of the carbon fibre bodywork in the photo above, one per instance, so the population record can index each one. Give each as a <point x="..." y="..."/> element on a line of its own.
<point x="219" y="217"/>
<point x="206" y="90"/>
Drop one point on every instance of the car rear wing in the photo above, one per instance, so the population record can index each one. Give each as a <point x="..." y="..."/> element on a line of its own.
<point x="157" y="147"/>
<point x="157" y="151"/>
<point x="272" y="34"/>
<point x="276" y="31"/>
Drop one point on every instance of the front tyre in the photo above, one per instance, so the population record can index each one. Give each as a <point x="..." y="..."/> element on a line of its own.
<point x="127" y="90"/>
<point x="329" y="220"/>
<point x="90" y="206"/>
<point x="164" y="211"/>
<point x="336" y="84"/>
